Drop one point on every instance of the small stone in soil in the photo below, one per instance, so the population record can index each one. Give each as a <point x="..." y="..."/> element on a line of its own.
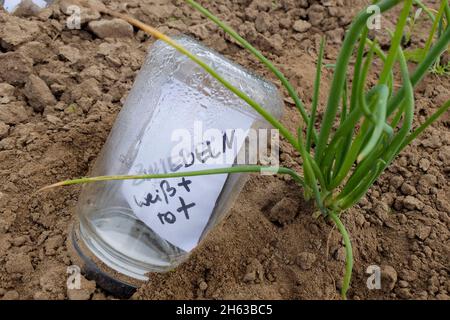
<point x="425" y="183"/>
<point x="284" y="211"/>
<point x="70" y="53"/>
<point x="408" y="189"/>
<point x="11" y="295"/>
<point x="13" y="113"/>
<point x="444" y="155"/>
<point x="443" y="296"/>
<point x="250" y="277"/>
<point x="408" y="275"/>
<point x="403" y="293"/>
<point x="38" y="94"/>
<point x="254" y="272"/>
<point x="262" y="22"/>
<point x="19" y="263"/>
<point x="115" y="28"/>
<point x="305" y="260"/>
<point x="53" y="119"/>
<point x="423" y="232"/>
<point x="339" y="255"/>
<point x="14" y="68"/>
<point x="381" y="210"/>
<point x="41" y="295"/>
<point x="316" y="14"/>
<point x="4" y="129"/>
<point x="53" y="280"/>
<point x="388" y="278"/>
<point x="6" y="93"/>
<point x="396" y="181"/>
<point x="53" y="243"/>
<point x="301" y="26"/>
<point x="432" y="142"/>
<point x="87" y="288"/>
<point x="412" y="203"/>
<point x="424" y="164"/>
<point x="203" y="286"/>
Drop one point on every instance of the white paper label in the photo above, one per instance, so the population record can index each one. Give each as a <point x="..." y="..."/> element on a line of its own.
<point x="178" y="209"/>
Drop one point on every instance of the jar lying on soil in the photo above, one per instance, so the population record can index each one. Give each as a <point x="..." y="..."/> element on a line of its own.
<point x="176" y="118"/>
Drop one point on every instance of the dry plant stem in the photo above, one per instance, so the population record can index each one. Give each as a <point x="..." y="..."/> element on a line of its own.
<point x="235" y="169"/>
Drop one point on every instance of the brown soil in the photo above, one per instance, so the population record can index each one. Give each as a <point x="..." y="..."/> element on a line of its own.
<point x="61" y="89"/>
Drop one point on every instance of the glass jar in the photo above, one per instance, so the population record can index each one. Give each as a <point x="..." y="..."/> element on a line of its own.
<point x="127" y="229"/>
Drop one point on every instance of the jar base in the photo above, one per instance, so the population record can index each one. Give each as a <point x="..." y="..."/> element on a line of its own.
<point x="107" y="278"/>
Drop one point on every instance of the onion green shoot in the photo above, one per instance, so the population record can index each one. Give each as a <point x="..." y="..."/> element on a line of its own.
<point x="351" y="148"/>
<point x="440" y="19"/>
<point x="412" y="20"/>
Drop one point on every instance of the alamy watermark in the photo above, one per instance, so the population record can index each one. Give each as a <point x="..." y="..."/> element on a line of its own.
<point x="73" y="22"/>
<point x="374" y="21"/>
<point x="226" y="147"/>
<point x="212" y="148"/>
<point x="74" y="277"/>
<point x="374" y="280"/>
